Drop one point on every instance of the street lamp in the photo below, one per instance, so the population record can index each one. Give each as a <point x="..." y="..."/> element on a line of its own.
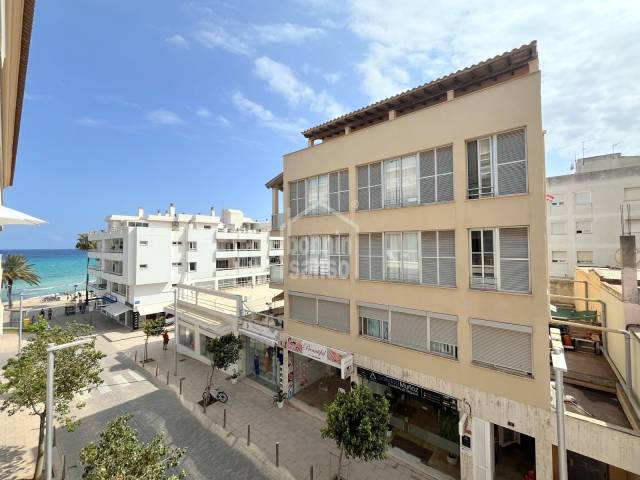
<point x="175" y="333"/>
<point x="20" y="327"/>
<point x="51" y="349"/>
<point x="559" y="367"/>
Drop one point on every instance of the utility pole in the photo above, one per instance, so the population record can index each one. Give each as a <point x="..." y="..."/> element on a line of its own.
<point x="20" y="326"/>
<point x="175" y="333"/>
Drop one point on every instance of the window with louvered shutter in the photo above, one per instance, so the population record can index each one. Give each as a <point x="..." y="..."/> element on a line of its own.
<point x="303" y="309"/>
<point x="333" y="314"/>
<point x="514" y="259"/>
<point x="293" y="199"/>
<point x="344" y="266"/>
<point x="444" y="174"/>
<point x="363" y="187"/>
<point x="427" y="176"/>
<point x="364" y="263"/>
<point x="344" y="190"/>
<point x="502" y="346"/>
<point x="447" y="258"/>
<point x="511" y="160"/>
<point x="375" y="255"/>
<point x="334" y="192"/>
<point x="301" y="198"/>
<point x="409" y="330"/>
<point x="293" y="255"/>
<point x="375" y="185"/>
<point x="374" y="322"/>
<point x="429" y="253"/>
<point x="303" y="255"/>
<point x="443" y="334"/>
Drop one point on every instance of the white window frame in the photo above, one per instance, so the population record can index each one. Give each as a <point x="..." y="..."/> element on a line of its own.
<point x="496" y="256"/>
<point x="314" y="211"/>
<point x="402" y="261"/>
<point x="575" y="196"/>
<point x="564" y="228"/>
<point x="560" y="261"/>
<point x="193" y="246"/>
<point x="584" y="231"/>
<point x="584" y="262"/>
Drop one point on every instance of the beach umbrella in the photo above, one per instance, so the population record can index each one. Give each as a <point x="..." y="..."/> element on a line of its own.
<point x="9" y="216"/>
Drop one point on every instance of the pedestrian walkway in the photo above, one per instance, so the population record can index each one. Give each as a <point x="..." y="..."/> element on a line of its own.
<point x="300" y="443"/>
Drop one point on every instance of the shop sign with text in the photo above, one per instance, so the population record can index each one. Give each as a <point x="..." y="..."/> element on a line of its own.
<point x="315" y="351"/>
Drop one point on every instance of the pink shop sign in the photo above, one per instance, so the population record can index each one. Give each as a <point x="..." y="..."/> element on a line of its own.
<point x="330" y="356"/>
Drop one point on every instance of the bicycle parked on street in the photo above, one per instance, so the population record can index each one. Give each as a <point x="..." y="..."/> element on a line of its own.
<point x="212" y="393"/>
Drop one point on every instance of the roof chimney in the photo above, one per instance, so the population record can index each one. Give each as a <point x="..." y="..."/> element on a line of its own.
<point x="172" y="209"/>
<point x="140" y="212"/>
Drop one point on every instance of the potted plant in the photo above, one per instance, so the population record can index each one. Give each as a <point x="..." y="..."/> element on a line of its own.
<point x="234" y="377"/>
<point x="280" y="398"/>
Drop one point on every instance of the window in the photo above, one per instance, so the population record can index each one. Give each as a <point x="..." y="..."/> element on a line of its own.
<point x="502" y="265"/>
<point x="582" y="198"/>
<point x="401" y="257"/>
<point x="558" y="257"/>
<point x="176" y="264"/>
<point x="193" y="246"/>
<point x="176" y="243"/>
<point x="502" y="346"/>
<point x="558" y="228"/>
<point x="143" y="266"/>
<point x="192" y="266"/>
<point x="436" y="175"/>
<point x="497" y="165"/>
<point x="631" y="194"/>
<point x="186" y="336"/>
<point x="276" y="244"/>
<point x="320" y="195"/>
<point x="249" y="262"/>
<point x="326" y="312"/>
<point x="370" y="256"/>
<point x="207" y="227"/>
<point x="222" y="263"/>
<point x="438" y="252"/>
<point x="583" y="226"/>
<point x="370" y="186"/>
<point x="144" y="243"/>
<point x="584" y="257"/>
<point x="419" y="330"/>
<point x="320" y="256"/>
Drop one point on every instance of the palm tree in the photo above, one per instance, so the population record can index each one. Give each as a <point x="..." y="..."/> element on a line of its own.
<point x="85" y="244"/>
<point x="17" y="267"/>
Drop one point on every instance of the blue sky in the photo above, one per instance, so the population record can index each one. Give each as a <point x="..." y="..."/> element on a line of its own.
<point x="143" y="103"/>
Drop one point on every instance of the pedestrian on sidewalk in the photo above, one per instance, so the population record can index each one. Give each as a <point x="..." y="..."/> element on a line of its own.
<point x="165" y="340"/>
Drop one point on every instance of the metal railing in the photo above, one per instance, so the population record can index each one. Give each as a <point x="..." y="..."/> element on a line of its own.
<point x="98" y="286"/>
<point x="276" y="274"/>
<point x="277" y="221"/>
<point x="480" y="192"/>
<point x="483" y="283"/>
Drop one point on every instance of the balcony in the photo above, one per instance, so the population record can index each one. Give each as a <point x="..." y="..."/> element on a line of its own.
<point x="95" y="268"/>
<point x="277" y="221"/>
<point x="264" y="319"/>
<point x="98" y="287"/>
<point x="276" y="274"/>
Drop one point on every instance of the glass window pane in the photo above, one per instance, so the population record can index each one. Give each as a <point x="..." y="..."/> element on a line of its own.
<point x="410" y="256"/>
<point x="323" y="194"/>
<point x="373" y="327"/>
<point x="409" y="180"/>
<point x="312" y="196"/>
<point x="393" y="251"/>
<point x="487" y="244"/>
<point x="391" y="182"/>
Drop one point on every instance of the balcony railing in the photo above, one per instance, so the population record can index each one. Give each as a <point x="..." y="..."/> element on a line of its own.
<point x="263" y="319"/>
<point x="98" y="286"/>
<point x="97" y="268"/>
<point x="277" y="221"/>
<point x="483" y="283"/>
<point x="480" y="192"/>
<point x="276" y="273"/>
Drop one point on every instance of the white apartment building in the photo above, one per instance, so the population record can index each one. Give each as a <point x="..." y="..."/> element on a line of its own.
<point x="584" y="221"/>
<point x="139" y="259"/>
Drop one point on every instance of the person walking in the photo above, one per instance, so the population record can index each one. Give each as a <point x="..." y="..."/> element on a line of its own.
<point x="165" y="340"/>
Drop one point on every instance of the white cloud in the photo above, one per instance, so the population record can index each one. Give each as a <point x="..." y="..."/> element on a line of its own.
<point x="285" y="33"/>
<point x="332" y="77"/>
<point x="587" y="54"/>
<point x="178" y="41"/>
<point x="164" y="117"/>
<point x="221" y="121"/>
<point x="283" y="81"/>
<point x="203" y="112"/>
<point x="90" y="122"/>
<point x="215" y="36"/>
<point x="265" y="116"/>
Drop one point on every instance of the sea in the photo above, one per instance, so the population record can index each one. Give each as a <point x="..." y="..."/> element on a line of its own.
<point x="59" y="270"/>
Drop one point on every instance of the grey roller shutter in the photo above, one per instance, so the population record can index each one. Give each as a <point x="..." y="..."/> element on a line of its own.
<point x="375" y="254"/>
<point x="504" y="347"/>
<point x="514" y="259"/>
<point x="302" y="309"/>
<point x="373" y="313"/>
<point x="444" y="179"/>
<point x="447" y="258"/>
<point x="427" y="177"/>
<point x="344" y="190"/>
<point x="363" y="187"/>
<point x="333" y="315"/>
<point x="444" y="329"/>
<point x="429" y="253"/>
<point x="375" y="185"/>
<point x="409" y="330"/>
<point x="511" y="159"/>
<point x="364" y="263"/>
<point x="334" y="192"/>
<point x="472" y="169"/>
<point x="293" y="199"/>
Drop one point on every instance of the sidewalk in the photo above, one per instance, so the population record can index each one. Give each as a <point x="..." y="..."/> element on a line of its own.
<point x="301" y="445"/>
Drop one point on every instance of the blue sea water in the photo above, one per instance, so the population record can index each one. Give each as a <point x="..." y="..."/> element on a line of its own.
<point x="59" y="271"/>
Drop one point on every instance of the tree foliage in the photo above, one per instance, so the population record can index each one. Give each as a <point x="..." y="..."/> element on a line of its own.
<point x="76" y="369"/>
<point x="83" y="242"/>
<point x="357" y="421"/>
<point x="152" y="328"/>
<point x="120" y="455"/>
<point x="17" y="267"/>
<point x="223" y="351"/>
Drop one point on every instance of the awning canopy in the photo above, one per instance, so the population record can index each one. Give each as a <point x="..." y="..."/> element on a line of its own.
<point x="150" y="308"/>
<point x="260" y="338"/>
<point x="115" y="309"/>
<point x="9" y="216"/>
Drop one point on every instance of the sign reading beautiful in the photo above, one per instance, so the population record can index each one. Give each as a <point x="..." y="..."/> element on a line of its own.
<point x="335" y="358"/>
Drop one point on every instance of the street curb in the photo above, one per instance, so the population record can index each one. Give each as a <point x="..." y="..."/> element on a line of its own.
<point x="255" y="454"/>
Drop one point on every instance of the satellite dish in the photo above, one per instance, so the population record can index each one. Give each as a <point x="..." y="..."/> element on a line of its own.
<point x="618" y="258"/>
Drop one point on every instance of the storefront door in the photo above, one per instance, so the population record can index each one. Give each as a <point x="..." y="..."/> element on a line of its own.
<point x="262" y="363"/>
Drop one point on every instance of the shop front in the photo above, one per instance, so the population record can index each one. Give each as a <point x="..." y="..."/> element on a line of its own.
<point x="316" y="372"/>
<point x="263" y="357"/>
<point x="423" y="424"/>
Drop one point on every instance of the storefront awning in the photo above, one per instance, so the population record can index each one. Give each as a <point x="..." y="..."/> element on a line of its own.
<point x="150" y="308"/>
<point x="256" y="336"/>
<point x="115" y="309"/>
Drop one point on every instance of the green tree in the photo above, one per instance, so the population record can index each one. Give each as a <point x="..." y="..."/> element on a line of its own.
<point x="17" y="267"/>
<point x="152" y="328"/>
<point x="76" y="369"/>
<point x="119" y="455"/>
<point x="357" y="421"/>
<point x="223" y="351"/>
<point x="85" y="244"/>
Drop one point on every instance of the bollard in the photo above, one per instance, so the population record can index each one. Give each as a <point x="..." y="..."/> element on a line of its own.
<point x="248" y="435"/>
<point x="54" y="436"/>
<point x="204" y="406"/>
<point x="181" y="379"/>
<point x="167" y="377"/>
<point x="224" y="418"/>
<point x="64" y="467"/>
<point x="277" y="454"/>
<point x="157" y="365"/>
<point x="135" y="357"/>
<point x="311" y="473"/>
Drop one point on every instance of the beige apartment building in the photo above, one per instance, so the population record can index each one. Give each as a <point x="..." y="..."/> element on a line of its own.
<point x="415" y="263"/>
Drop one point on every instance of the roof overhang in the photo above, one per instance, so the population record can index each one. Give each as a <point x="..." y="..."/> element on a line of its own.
<point x="276" y="182"/>
<point x="480" y="75"/>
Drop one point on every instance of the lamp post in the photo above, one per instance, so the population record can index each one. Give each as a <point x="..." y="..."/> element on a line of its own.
<point x="20" y="327"/>
<point x="559" y="367"/>
<point x="175" y="334"/>
<point x="51" y="358"/>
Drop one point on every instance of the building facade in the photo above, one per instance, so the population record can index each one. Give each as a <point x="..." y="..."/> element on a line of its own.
<point x="141" y="258"/>
<point x="584" y="217"/>
<point x="415" y="263"/>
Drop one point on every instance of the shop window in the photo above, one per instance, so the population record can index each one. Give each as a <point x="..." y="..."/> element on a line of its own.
<point x="186" y="336"/>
